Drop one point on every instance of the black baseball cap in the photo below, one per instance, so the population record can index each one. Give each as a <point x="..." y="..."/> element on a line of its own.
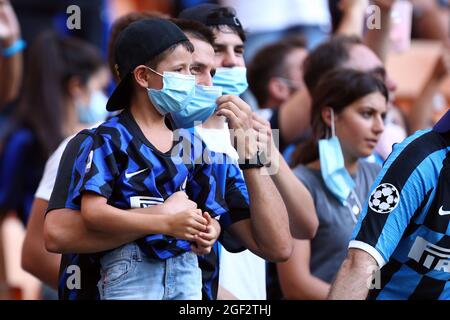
<point x="137" y="44"/>
<point x="212" y="15"/>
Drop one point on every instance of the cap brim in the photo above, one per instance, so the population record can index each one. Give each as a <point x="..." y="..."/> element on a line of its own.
<point x="120" y="98"/>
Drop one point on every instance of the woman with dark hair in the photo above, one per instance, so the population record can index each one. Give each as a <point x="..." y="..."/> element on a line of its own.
<point x="348" y="106"/>
<point x="63" y="77"/>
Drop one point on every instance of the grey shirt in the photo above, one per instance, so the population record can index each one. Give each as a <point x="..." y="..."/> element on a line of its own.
<point x="329" y="246"/>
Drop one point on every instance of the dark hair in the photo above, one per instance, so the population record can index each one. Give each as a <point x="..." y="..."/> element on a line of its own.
<point x="153" y="63"/>
<point x="270" y="62"/>
<point x="227" y="12"/>
<point x="195" y="29"/>
<point x="53" y="62"/>
<point x="330" y="55"/>
<point x="337" y="89"/>
<point x="120" y="24"/>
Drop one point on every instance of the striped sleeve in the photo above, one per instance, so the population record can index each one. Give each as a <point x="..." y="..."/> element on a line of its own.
<point x="397" y="195"/>
<point x="70" y="173"/>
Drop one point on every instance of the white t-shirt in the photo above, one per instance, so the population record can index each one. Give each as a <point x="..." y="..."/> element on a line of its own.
<point x="44" y="191"/>
<point x="270" y="15"/>
<point x="244" y="273"/>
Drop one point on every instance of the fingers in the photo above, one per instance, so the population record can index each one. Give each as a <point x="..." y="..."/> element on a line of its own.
<point x="202" y="242"/>
<point x="233" y="121"/>
<point x="207" y="217"/>
<point x="200" y="251"/>
<point x="241" y="104"/>
<point x="234" y="109"/>
<point x="260" y="123"/>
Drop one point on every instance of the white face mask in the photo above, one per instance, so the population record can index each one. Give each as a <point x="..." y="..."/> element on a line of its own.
<point x="232" y="80"/>
<point x="95" y="110"/>
<point x="336" y="177"/>
<point x="176" y="94"/>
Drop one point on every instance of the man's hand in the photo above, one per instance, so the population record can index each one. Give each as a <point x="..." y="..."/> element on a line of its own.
<point x="9" y="26"/>
<point x="178" y="202"/>
<point x="187" y="224"/>
<point x="267" y="148"/>
<point x="239" y="116"/>
<point x="205" y="240"/>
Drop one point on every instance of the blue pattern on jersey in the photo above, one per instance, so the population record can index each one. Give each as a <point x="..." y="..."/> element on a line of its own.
<point x="411" y="233"/>
<point x="124" y="167"/>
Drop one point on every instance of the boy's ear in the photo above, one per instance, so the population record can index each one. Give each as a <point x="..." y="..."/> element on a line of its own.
<point x="141" y="76"/>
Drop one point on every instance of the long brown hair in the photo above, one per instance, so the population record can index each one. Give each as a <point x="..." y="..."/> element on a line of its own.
<point x="53" y="61"/>
<point x="337" y="89"/>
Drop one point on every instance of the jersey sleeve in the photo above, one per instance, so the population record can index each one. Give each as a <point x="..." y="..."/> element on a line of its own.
<point x="236" y="196"/>
<point x="203" y="186"/>
<point x="237" y="200"/>
<point x="101" y="169"/>
<point x="398" y="194"/>
<point x="70" y="172"/>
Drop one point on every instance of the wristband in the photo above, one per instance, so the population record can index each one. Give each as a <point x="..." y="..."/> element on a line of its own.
<point x="16" y="47"/>
<point x="253" y="163"/>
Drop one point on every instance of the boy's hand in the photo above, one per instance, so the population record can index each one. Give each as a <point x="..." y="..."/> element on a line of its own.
<point x="178" y="202"/>
<point x="205" y="240"/>
<point x="187" y="224"/>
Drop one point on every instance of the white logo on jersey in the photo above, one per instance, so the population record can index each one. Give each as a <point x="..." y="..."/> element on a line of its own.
<point x="384" y="198"/>
<point x="144" y="202"/>
<point x="183" y="186"/>
<point x="89" y="162"/>
<point x="430" y="255"/>
<point x="131" y="175"/>
<point x="442" y="212"/>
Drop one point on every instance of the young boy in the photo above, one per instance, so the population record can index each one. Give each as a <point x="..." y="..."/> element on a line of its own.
<point x="135" y="162"/>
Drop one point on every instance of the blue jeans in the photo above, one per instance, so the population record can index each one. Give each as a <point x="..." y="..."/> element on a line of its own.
<point x="129" y="274"/>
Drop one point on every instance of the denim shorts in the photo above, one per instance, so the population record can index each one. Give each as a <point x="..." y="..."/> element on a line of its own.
<point x="129" y="274"/>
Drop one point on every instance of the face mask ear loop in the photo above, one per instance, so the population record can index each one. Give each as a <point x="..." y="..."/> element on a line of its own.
<point x="159" y="74"/>
<point x="333" y="128"/>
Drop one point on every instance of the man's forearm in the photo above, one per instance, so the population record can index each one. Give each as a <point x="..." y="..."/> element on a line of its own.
<point x="298" y="201"/>
<point x="378" y="39"/>
<point x="269" y="219"/>
<point x="354" y="277"/>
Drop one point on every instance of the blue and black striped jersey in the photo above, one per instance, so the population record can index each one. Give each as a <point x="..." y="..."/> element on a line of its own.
<point x="126" y="169"/>
<point x="233" y="189"/>
<point x="79" y="273"/>
<point x="405" y="223"/>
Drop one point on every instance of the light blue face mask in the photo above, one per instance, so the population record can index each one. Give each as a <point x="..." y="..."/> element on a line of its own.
<point x="176" y="94"/>
<point x="202" y="106"/>
<point x="336" y="177"/>
<point x="95" y="111"/>
<point x="232" y="80"/>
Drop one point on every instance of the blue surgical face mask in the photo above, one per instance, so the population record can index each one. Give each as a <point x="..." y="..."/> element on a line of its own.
<point x="202" y="106"/>
<point x="176" y="94"/>
<point x="337" y="179"/>
<point x="95" y="111"/>
<point x="232" y="80"/>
